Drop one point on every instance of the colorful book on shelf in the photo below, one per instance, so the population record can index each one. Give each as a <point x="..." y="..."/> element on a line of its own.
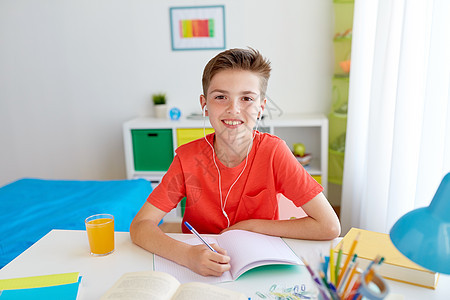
<point x="396" y="266"/>
<point x="159" y="285"/>
<point x="54" y="286"/>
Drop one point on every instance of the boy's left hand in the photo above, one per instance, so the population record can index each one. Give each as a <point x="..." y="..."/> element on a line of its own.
<point x="242" y="225"/>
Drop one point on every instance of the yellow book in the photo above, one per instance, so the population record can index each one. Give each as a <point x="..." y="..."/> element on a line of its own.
<point x="396" y="266"/>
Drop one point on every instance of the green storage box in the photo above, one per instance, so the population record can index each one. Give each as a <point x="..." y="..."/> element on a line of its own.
<point x="152" y="149"/>
<point x="340" y="94"/>
<point x="337" y="126"/>
<point x="342" y="55"/>
<point x="343" y="15"/>
<point x="335" y="166"/>
<point x="336" y="150"/>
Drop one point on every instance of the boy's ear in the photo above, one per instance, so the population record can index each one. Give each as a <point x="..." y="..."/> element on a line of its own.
<point x="202" y="101"/>
<point x="263" y="105"/>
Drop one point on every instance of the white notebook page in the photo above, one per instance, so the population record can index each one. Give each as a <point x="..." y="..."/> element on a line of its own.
<point x="248" y="250"/>
<point x="184" y="274"/>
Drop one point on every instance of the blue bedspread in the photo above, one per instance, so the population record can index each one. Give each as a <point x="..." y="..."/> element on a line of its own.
<point x="30" y="208"/>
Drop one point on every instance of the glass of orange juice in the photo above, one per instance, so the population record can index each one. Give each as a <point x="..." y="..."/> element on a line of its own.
<point x="100" y="231"/>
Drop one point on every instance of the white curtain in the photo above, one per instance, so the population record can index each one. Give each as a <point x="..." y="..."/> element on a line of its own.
<point x="398" y="127"/>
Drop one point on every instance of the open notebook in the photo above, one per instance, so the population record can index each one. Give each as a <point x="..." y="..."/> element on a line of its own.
<point x="247" y="250"/>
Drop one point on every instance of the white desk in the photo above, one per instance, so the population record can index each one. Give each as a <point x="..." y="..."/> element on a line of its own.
<point x="62" y="251"/>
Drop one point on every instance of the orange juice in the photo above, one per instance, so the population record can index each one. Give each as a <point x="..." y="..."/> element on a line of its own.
<point x="100" y="231"/>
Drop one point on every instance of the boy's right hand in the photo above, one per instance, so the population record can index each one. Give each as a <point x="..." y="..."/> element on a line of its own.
<point x="205" y="262"/>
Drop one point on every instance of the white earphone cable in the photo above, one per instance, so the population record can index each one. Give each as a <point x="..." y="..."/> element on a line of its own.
<point x="224" y="203"/>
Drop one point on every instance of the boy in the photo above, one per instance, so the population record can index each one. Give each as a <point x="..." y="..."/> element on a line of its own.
<point x="231" y="177"/>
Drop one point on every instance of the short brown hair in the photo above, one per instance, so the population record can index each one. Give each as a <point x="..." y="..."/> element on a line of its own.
<point x="238" y="59"/>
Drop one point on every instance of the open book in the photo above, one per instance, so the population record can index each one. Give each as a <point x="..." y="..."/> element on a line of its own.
<point x="246" y="249"/>
<point x="162" y="286"/>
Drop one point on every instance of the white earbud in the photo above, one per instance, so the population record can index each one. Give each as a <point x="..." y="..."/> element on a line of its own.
<point x="260" y="111"/>
<point x="204" y="111"/>
<point x="226" y="216"/>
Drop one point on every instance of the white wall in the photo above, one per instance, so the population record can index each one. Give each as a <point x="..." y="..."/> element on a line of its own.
<point x="72" y="71"/>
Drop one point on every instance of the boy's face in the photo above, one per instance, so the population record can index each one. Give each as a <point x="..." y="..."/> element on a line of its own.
<point x="233" y="101"/>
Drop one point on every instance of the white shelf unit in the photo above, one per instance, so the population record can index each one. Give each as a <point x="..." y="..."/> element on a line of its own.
<point x="309" y="129"/>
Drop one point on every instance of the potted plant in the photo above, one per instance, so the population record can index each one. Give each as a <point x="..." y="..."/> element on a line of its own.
<point x="159" y="102"/>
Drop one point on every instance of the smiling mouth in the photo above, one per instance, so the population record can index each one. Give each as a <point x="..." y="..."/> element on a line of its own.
<point x="232" y="122"/>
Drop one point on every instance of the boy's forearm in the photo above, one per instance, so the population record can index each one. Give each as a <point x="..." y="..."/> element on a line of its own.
<point x="303" y="228"/>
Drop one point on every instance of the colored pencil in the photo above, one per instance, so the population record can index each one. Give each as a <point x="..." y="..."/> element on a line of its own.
<point x="322" y="262"/>
<point x="333" y="292"/>
<point x="354" y="290"/>
<point x="325" y="266"/>
<point x="322" y="276"/>
<point x="332" y="273"/>
<point x="338" y="265"/>
<point x="347" y="273"/>
<point x="370" y="271"/>
<point x="349" y="257"/>
<point x="320" y="285"/>
<point x="350" y="279"/>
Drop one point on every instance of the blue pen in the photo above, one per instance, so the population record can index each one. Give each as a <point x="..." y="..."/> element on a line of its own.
<point x="198" y="235"/>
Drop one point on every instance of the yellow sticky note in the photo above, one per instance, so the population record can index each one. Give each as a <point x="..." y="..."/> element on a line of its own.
<point x="38" y="281"/>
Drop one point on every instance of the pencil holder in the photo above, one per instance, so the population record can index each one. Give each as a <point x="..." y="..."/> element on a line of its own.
<point x="375" y="289"/>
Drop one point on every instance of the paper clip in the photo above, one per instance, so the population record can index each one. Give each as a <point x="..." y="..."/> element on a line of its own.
<point x="297" y="292"/>
<point x="261" y="295"/>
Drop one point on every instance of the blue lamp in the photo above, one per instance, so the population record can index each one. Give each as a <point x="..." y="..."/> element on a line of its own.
<point x="423" y="235"/>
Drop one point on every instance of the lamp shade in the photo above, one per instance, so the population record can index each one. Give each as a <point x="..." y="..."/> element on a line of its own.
<point x="423" y="234"/>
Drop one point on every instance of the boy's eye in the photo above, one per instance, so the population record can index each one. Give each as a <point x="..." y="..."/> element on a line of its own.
<point x="220" y="97"/>
<point x="247" y="99"/>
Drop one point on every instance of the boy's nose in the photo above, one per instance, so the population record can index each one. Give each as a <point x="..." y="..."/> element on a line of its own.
<point x="234" y="107"/>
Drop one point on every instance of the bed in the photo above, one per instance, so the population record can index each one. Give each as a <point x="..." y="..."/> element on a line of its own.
<point x="30" y="208"/>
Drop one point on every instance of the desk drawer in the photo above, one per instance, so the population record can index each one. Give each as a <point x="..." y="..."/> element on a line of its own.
<point x="152" y="149"/>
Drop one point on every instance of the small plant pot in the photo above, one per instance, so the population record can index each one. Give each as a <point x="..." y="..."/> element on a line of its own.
<point x="161" y="111"/>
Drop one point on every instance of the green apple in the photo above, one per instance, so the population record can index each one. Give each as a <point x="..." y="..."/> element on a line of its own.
<point x="299" y="149"/>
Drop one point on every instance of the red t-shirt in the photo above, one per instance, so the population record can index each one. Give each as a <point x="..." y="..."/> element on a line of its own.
<point x="271" y="169"/>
